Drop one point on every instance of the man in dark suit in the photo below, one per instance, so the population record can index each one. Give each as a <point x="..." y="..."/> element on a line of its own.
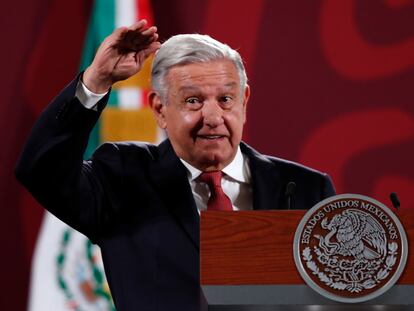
<point x="140" y="202"/>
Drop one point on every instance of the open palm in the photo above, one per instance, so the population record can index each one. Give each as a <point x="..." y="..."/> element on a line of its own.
<point x="120" y="56"/>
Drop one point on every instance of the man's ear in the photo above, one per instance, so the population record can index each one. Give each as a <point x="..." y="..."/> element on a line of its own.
<point x="245" y="101"/>
<point x="158" y="108"/>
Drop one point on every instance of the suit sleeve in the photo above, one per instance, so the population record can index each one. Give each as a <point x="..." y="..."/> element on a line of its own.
<point x="51" y="165"/>
<point x="328" y="188"/>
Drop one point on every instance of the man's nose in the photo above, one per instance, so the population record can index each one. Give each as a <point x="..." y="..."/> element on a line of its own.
<point x="212" y="113"/>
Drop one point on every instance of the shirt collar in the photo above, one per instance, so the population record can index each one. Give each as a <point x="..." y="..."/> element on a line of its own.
<point x="237" y="169"/>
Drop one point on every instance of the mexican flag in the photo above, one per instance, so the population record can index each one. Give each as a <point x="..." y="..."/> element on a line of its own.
<point x="67" y="270"/>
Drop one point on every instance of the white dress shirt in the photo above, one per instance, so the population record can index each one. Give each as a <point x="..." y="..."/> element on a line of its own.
<point x="236" y="184"/>
<point x="236" y="181"/>
<point x="87" y="98"/>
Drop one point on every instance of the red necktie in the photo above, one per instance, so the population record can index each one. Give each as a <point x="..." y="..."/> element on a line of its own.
<point x="218" y="200"/>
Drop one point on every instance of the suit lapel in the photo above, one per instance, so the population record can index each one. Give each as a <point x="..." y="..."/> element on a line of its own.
<point x="267" y="187"/>
<point x="170" y="176"/>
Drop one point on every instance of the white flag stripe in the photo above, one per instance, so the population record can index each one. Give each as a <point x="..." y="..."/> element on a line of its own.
<point x="43" y="276"/>
<point x="125" y="15"/>
<point x="125" y="12"/>
<point x="130" y="98"/>
<point x="45" y="294"/>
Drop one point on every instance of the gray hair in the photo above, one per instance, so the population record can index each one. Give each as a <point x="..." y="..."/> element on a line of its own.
<point x="191" y="48"/>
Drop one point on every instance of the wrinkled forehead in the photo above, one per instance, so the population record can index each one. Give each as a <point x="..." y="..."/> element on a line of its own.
<point x="192" y="87"/>
<point x="217" y="73"/>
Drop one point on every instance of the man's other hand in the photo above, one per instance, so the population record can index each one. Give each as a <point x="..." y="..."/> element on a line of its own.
<point x="120" y="56"/>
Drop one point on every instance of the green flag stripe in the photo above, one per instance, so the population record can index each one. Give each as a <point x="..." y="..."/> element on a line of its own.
<point x="101" y="24"/>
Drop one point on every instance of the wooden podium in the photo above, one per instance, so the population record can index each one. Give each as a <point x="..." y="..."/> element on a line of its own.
<point x="246" y="263"/>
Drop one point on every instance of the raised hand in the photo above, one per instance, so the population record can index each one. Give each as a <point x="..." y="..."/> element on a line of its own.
<point x="120" y="56"/>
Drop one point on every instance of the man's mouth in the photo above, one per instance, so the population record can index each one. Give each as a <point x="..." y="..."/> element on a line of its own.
<point x="210" y="136"/>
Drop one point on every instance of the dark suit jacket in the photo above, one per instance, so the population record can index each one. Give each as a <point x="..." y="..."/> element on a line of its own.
<point x="134" y="200"/>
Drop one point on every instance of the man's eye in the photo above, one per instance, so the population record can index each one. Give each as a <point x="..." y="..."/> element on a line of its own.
<point x="192" y="100"/>
<point x="226" y="99"/>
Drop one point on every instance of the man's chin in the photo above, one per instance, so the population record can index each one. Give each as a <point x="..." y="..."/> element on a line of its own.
<point x="212" y="161"/>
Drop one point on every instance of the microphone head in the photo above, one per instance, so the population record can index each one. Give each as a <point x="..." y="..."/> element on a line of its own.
<point x="290" y="189"/>
<point x="394" y="200"/>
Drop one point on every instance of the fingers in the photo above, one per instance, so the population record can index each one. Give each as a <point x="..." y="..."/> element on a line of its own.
<point x="152" y="48"/>
<point x="138" y="25"/>
<point x="143" y="55"/>
<point x="150" y="31"/>
<point x="123" y="53"/>
<point x="118" y="31"/>
<point x="136" y="38"/>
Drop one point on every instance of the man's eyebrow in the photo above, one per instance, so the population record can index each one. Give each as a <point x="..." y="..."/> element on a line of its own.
<point x="197" y="89"/>
<point x="188" y="88"/>
<point x="231" y="84"/>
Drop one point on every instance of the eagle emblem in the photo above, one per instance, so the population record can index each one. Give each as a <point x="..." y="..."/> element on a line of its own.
<point x="349" y="248"/>
<point x="357" y="234"/>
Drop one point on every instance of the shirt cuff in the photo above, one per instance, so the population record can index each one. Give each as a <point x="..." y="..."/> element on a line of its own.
<point x="87" y="98"/>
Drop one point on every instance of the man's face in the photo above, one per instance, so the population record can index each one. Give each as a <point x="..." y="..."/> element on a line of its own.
<point x="204" y="113"/>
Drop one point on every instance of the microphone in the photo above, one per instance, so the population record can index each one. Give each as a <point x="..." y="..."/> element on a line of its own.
<point x="289" y="193"/>
<point x="394" y="200"/>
